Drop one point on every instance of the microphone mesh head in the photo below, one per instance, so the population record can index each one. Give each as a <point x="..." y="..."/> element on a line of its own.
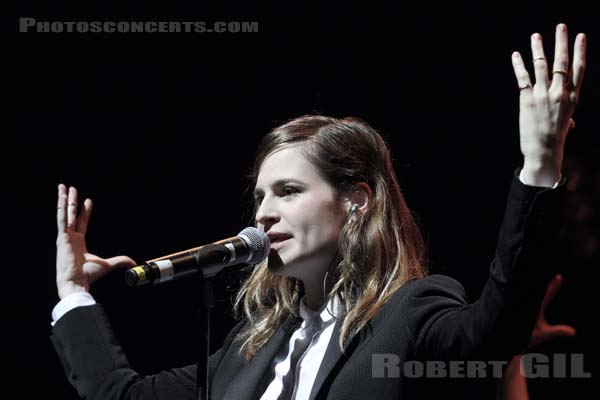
<point x="259" y="242"/>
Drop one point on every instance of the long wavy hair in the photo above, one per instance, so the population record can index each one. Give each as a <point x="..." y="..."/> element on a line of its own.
<point x="378" y="252"/>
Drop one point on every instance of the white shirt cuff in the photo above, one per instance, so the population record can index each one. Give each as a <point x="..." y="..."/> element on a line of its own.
<point x="523" y="181"/>
<point x="70" y="302"/>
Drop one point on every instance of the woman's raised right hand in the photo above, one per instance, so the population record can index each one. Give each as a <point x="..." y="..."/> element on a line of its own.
<point x="76" y="269"/>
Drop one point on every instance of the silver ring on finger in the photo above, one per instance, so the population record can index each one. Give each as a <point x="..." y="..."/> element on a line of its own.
<point x="73" y="204"/>
<point x="526" y="86"/>
<point x="558" y="71"/>
<point x="539" y="58"/>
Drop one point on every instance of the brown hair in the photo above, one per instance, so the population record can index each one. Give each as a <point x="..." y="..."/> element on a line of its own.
<point x="377" y="254"/>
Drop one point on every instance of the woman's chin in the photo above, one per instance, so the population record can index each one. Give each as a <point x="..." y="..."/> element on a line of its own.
<point x="278" y="266"/>
<point x="275" y="263"/>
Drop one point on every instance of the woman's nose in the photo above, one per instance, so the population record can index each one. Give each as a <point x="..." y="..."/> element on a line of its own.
<point x="267" y="213"/>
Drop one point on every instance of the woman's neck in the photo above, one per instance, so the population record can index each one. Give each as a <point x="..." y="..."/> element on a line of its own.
<point x="313" y="297"/>
<point x="315" y="291"/>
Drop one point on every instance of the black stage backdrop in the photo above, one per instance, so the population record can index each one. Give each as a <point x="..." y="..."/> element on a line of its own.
<point x="160" y="129"/>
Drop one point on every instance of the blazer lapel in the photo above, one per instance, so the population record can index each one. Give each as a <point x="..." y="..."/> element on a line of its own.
<point x="333" y="355"/>
<point x="245" y="382"/>
<point x="330" y="359"/>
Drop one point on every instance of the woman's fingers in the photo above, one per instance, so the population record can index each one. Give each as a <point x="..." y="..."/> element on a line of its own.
<point x="540" y="65"/>
<point x="61" y="209"/>
<point x="96" y="267"/>
<point x="66" y="211"/>
<point x="578" y="65"/>
<point x="72" y="209"/>
<point x="522" y="75"/>
<point x="84" y="216"/>
<point x="120" y="262"/>
<point x="560" y="69"/>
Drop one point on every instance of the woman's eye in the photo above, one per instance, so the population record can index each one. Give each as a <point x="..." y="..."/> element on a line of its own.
<point x="289" y="191"/>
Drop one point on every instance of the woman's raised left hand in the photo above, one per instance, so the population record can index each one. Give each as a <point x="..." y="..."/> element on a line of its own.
<point x="546" y="107"/>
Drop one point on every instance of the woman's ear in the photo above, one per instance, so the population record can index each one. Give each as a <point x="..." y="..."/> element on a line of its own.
<point x="359" y="197"/>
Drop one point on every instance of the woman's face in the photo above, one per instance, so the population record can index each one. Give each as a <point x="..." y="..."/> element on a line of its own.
<point x="300" y="213"/>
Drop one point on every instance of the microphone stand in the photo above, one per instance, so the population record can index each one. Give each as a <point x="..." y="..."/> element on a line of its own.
<point x="209" y="254"/>
<point x="206" y="303"/>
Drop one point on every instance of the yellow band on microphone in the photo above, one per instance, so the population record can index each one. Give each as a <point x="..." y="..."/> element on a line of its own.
<point x="140" y="272"/>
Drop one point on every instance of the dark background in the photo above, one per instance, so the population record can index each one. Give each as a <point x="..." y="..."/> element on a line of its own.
<point x="160" y="131"/>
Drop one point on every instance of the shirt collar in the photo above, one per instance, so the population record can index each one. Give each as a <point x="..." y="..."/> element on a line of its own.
<point x="328" y="312"/>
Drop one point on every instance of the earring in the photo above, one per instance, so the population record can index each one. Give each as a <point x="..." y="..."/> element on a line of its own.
<point x="353" y="209"/>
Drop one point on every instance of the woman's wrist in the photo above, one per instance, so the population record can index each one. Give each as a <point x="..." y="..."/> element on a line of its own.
<point x="541" y="172"/>
<point x="67" y="288"/>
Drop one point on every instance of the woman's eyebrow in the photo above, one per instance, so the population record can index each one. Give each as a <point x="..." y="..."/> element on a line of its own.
<point x="277" y="183"/>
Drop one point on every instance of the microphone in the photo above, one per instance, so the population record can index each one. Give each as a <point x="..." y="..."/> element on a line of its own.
<point x="249" y="247"/>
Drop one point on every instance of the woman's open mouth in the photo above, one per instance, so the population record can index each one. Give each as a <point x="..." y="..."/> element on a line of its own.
<point x="277" y="245"/>
<point x="278" y="239"/>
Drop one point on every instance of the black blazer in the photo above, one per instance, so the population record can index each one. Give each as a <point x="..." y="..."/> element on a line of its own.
<point x="427" y="319"/>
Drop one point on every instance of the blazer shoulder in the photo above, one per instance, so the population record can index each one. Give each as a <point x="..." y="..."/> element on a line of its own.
<point x="433" y="286"/>
<point x="422" y="296"/>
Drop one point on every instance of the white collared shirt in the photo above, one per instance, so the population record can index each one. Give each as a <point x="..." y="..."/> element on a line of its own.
<point x="323" y="322"/>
